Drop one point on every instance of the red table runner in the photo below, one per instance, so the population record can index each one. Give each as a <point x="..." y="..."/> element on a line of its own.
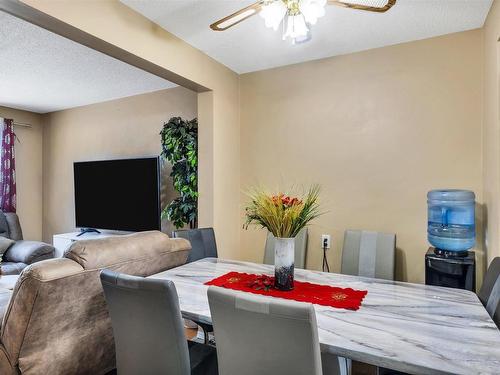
<point x="326" y="295"/>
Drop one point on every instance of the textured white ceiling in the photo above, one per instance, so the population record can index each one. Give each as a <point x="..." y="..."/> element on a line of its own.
<point x="250" y="46"/>
<point x="44" y="72"/>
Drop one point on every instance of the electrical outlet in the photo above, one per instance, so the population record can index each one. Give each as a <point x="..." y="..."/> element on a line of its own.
<point x="325" y="240"/>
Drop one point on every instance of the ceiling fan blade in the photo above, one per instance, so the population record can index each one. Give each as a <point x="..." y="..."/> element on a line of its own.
<point x="235" y="18"/>
<point x="370" y="6"/>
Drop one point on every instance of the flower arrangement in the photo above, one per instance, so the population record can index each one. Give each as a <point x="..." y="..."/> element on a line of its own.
<point x="283" y="215"/>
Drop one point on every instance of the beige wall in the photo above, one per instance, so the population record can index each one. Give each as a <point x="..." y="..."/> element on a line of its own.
<point x="28" y="170"/>
<point x="377" y="129"/>
<point x="390" y="173"/>
<point x="120" y="128"/>
<point x="219" y="187"/>
<point x="491" y="130"/>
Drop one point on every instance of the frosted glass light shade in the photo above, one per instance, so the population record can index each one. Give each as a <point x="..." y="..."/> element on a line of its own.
<point x="296" y="20"/>
<point x="273" y="13"/>
<point x="312" y="10"/>
<point x="295" y="27"/>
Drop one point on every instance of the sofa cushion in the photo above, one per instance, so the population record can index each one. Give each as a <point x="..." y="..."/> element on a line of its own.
<point x="146" y="252"/>
<point x="15" y="231"/>
<point x="29" y="251"/>
<point x="4" y="227"/>
<point x="5" y="243"/>
<point x="12" y="268"/>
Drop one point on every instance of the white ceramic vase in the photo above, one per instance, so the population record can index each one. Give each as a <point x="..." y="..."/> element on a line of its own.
<point x="284" y="255"/>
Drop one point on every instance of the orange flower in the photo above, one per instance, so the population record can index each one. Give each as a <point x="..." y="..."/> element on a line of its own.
<point x="295" y="201"/>
<point x="285" y="200"/>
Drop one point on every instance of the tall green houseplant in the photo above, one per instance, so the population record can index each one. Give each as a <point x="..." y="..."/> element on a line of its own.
<point x="179" y="141"/>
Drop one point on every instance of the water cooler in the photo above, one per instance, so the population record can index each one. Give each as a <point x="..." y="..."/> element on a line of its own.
<point x="451" y="230"/>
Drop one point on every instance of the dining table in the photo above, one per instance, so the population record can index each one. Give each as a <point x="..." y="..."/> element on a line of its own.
<point x="413" y="328"/>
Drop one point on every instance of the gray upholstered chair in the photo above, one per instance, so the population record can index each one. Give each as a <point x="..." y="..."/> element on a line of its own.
<point x="490" y="291"/>
<point x="148" y="330"/>
<point x="300" y="249"/>
<point x="19" y="252"/>
<point x="203" y="245"/>
<point x="263" y="335"/>
<point x="202" y="241"/>
<point x="369" y="254"/>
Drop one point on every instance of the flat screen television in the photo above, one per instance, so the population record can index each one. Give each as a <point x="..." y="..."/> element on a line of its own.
<point x="119" y="195"/>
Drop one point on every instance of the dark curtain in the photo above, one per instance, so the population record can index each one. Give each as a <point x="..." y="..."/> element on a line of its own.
<point x="8" y="168"/>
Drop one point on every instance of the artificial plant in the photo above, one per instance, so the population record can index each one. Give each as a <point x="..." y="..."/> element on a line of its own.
<point x="283" y="215"/>
<point x="179" y="141"/>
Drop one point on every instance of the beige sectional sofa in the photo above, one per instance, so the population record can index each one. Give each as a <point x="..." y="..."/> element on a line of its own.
<point x="57" y="322"/>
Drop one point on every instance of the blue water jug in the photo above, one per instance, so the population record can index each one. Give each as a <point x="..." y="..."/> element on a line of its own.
<point x="451" y="225"/>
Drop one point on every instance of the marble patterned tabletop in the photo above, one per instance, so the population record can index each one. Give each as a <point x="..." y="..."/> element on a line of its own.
<point x="414" y="328"/>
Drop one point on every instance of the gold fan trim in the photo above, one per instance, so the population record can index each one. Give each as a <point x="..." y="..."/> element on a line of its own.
<point x="256" y="7"/>
<point x="385" y="8"/>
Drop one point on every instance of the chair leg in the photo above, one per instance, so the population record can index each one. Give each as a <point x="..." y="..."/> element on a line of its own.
<point x="348" y="366"/>
<point x="205" y="335"/>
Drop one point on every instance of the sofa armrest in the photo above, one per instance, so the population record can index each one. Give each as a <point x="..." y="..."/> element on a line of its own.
<point x="29" y="252"/>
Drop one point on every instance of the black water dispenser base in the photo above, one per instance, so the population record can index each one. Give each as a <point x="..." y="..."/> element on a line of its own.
<point x="450" y="254"/>
<point x="450" y="270"/>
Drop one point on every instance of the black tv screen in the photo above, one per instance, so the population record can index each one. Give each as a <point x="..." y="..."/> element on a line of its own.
<point x="118" y="194"/>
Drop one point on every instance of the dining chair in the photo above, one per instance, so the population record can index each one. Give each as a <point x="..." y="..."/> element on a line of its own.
<point x="268" y="336"/>
<point x="300" y="249"/>
<point x="148" y="331"/>
<point x="202" y="240"/>
<point x="489" y="295"/>
<point x="369" y="254"/>
<point x="203" y="245"/>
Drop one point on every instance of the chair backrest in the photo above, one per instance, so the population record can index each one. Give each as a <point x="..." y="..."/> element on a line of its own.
<point x="202" y="240"/>
<point x="493" y="305"/>
<point x="490" y="290"/>
<point x="147" y="325"/>
<point x="262" y="335"/>
<point x="369" y="254"/>
<point x="489" y="281"/>
<point x="300" y="249"/>
<point x="71" y="332"/>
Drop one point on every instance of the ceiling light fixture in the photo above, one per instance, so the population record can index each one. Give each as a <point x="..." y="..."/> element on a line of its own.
<point x="296" y="16"/>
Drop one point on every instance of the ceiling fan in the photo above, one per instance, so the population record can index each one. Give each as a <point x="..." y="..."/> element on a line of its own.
<point x="296" y="16"/>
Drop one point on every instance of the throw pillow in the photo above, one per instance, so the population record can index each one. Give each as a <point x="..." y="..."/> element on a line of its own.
<point x="5" y="243"/>
<point x="4" y="227"/>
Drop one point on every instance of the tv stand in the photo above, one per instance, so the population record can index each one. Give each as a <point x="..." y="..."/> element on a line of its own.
<point x="87" y="230"/>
